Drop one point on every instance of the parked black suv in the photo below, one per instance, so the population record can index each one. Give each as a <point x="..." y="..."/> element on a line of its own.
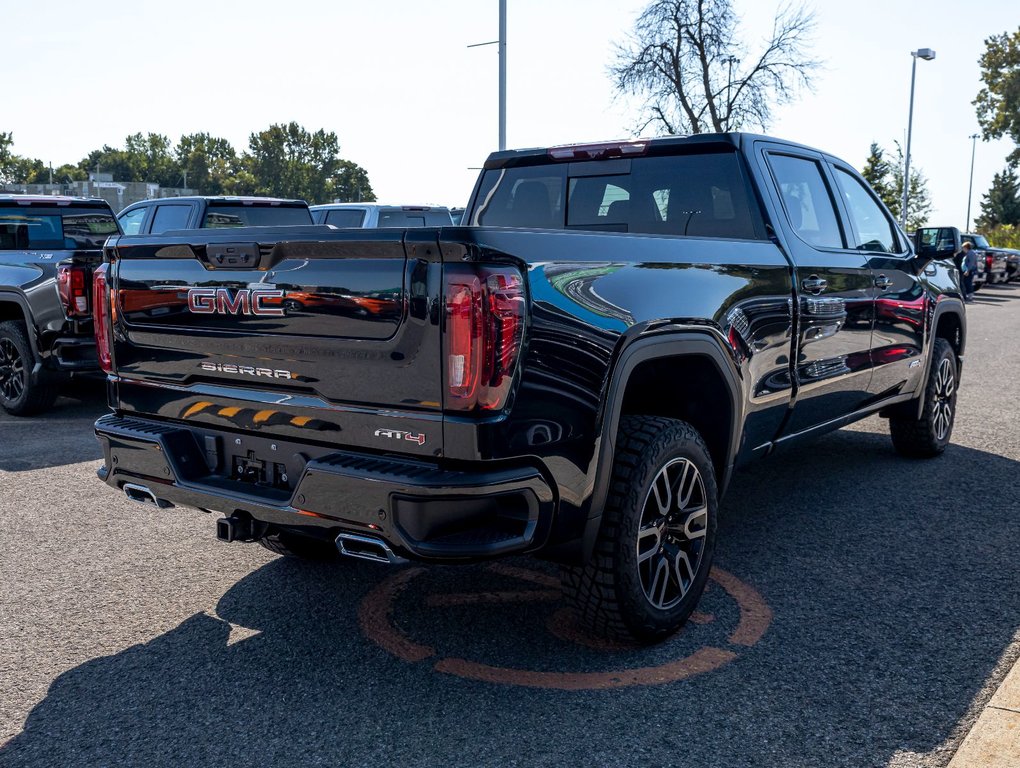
<point x="576" y="374"/>
<point x="48" y="248"/>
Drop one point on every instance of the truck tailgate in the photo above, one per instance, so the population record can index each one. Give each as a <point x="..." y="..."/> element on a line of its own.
<point x="333" y="339"/>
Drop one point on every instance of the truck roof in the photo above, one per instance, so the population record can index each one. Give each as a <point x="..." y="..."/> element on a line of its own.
<point x="89" y="202"/>
<point x="634" y="147"/>
<point x="234" y="200"/>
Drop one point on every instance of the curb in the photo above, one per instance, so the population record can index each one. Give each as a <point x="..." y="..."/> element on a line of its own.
<point x="994" y="740"/>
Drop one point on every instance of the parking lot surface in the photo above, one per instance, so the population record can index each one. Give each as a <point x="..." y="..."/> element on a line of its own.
<point x="863" y="610"/>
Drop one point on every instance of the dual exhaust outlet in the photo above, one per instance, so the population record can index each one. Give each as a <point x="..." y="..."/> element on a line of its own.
<point x="242" y="528"/>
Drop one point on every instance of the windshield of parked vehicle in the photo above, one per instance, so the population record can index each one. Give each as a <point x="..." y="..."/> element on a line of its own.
<point x="698" y="195"/>
<point x="233" y="215"/>
<point x="29" y="228"/>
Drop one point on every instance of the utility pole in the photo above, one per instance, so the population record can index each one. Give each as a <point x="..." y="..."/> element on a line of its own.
<point x="970" y="187"/>
<point x="731" y="60"/>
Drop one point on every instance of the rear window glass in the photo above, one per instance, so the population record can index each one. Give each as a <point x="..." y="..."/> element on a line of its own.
<point x="27" y="228"/>
<point x="225" y="216"/>
<point x="346" y="217"/>
<point x="398" y="217"/>
<point x="169" y="217"/>
<point x="698" y="195"/>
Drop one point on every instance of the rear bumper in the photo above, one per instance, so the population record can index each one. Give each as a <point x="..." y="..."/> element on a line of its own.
<point x="74" y="354"/>
<point x="421" y="510"/>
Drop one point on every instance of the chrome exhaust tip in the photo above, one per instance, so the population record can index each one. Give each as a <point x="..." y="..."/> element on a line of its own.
<point x="143" y="495"/>
<point x="367" y="548"/>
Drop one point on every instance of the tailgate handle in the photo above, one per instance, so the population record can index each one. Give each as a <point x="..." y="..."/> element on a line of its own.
<point x="232" y="256"/>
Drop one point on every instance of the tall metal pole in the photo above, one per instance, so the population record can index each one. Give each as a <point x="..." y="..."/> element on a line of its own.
<point x="970" y="187"/>
<point x="502" y="74"/>
<point x="906" y="159"/>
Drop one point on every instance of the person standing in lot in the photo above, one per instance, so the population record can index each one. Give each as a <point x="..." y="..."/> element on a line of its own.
<point x="968" y="265"/>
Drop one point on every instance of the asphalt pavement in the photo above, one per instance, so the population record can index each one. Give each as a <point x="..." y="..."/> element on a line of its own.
<point x="864" y="609"/>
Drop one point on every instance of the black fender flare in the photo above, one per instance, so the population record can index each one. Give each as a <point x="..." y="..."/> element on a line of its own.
<point x="17" y="298"/>
<point x="642" y="350"/>
<point x="946" y="306"/>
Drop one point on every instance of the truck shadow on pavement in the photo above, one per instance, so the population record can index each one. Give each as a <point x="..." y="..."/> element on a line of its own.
<point x="62" y="435"/>
<point x="891" y="586"/>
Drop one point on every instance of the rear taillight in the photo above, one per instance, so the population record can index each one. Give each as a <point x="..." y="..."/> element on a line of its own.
<point x="102" y="319"/>
<point x="988" y="261"/>
<point x="73" y="287"/>
<point x="484" y="330"/>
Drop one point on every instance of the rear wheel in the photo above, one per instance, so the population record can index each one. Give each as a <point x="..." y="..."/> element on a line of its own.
<point x="295" y="545"/>
<point x="929" y="435"/>
<point x="654" y="548"/>
<point x="19" y="395"/>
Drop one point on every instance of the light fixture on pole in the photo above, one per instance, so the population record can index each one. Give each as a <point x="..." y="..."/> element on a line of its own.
<point x="970" y="186"/>
<point x="921" y="53"/>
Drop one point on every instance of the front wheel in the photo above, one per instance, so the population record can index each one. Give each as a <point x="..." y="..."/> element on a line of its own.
<point x="929" y="435"/>
<point x="654" y="548"/>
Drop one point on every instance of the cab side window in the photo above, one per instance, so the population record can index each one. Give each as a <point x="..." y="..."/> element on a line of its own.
<point x="131" y="222"/>
<point x="806" y="198"/>
<point x="169" y="217"/>
<point x="872" y="229"/>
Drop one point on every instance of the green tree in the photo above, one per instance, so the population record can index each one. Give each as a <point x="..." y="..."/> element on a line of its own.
<point x="886" y="179"/>
<point x="878" y="173"/>
<point x="206" y="162"/>
<point x="7" y="157"/>
<point x="1001" y="204"/>
<point x="145" y="158"/>
<point x="288" y="161"/>
<point x="998" y="103"/>
<point x="686" y="61"/>
<point x="350" y="184"/>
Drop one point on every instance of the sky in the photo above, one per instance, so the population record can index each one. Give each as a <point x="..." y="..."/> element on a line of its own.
<point x="417" y="108"/>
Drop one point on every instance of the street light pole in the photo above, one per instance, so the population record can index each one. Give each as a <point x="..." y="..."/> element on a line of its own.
<point x="501" y="43"/>
<point x="927" y="54"/>
<point x="731" y="60"/>
<point x="970" y="187"/>
<point x="502" y="74"/>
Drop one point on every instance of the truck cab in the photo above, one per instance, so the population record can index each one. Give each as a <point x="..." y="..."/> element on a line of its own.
<point x="153" y="217"/>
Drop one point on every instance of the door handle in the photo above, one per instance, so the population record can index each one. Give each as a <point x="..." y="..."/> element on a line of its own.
<point x="882" y="282"/>
<point x="814" y="284"/>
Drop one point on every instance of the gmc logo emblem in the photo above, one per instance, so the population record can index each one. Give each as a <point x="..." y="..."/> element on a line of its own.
<point x="244" y="301"/>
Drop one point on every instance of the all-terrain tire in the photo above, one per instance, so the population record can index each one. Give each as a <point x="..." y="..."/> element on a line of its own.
<point x="295" y="545"/>
<point x="19" y="395"/>
<point x="647" y="522"/>
<point x="929" y="435"/>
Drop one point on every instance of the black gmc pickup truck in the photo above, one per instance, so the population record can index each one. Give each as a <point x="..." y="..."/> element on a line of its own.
<point x="48" y="247"/>
<point x="575" y="374"/>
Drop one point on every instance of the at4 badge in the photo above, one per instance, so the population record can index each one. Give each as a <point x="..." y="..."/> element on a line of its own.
<point x="397" y="434"/>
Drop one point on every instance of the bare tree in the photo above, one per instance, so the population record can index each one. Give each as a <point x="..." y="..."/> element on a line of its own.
<point x="685" y="59"/>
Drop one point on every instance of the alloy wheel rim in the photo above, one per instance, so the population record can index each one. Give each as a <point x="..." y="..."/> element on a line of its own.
<point x="672" y="533"/>
<point x="945" y="390"/>
<point x="12" y="371"/>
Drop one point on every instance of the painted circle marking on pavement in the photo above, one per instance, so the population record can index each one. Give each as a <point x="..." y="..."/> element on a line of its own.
<point x="376" y="618"/>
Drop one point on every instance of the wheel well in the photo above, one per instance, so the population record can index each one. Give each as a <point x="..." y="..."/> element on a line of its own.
<point x="950" y="328"/>
<point x="10" y="310"/>
<point x="688" y="387"/>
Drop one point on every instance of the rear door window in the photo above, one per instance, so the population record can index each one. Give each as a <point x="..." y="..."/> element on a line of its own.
<point x="170" y="217"/>
<point x="807" y="200"/>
